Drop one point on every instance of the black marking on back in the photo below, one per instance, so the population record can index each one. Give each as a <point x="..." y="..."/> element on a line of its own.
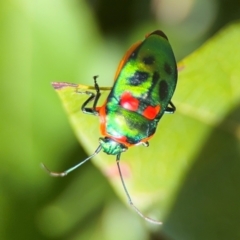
<point x="138" y="78"/>
<point x="167" y="68"/>
<point x="148" y="60"/>
<point x="163" y="90"/>
<point x="148" y="129"/>
<point x="155" y="79"/>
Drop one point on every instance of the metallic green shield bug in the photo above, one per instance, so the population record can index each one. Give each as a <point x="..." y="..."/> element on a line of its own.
<point x="144" y="84"/>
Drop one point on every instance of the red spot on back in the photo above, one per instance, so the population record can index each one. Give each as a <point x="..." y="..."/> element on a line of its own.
<point x="129" y="102"/>
<point x="151" y="112"/>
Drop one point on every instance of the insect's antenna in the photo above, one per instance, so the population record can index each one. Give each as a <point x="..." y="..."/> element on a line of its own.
<point x="63" y="174"/>
<point x="129" y="198"/>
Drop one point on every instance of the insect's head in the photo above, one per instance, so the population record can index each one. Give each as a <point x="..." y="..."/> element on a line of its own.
<point x="111" y="147"/>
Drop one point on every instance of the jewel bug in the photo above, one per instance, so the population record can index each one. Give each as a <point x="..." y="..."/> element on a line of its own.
<point x="144" y="84"/>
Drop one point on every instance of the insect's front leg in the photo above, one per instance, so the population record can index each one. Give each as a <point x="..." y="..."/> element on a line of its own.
<point x="92" y="96"/>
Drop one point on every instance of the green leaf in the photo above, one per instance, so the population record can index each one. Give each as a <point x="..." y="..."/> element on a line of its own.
<point x="189" y="176"/>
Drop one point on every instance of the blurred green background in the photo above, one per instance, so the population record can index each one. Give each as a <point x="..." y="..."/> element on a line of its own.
<point x="70" y="41"/>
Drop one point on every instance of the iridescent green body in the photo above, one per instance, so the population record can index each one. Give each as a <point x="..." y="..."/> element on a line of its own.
<point x="144" y="84"/>
<point x="141" y="93"/>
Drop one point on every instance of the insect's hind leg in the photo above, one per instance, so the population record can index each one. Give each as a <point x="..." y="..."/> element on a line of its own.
<point x="94" y="97"/>
<point x="171" y="108"/>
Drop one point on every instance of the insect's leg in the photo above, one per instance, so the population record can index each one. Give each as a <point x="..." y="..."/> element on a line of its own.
<point x="84" y="108"/>
<point x="63" y="174"/>
<point x="128" y="196"/>
<point x="98" y="94"/>
<point x="94" y="97"/>
<point x="171" y="108"/>
<point x="145" y="144"/>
